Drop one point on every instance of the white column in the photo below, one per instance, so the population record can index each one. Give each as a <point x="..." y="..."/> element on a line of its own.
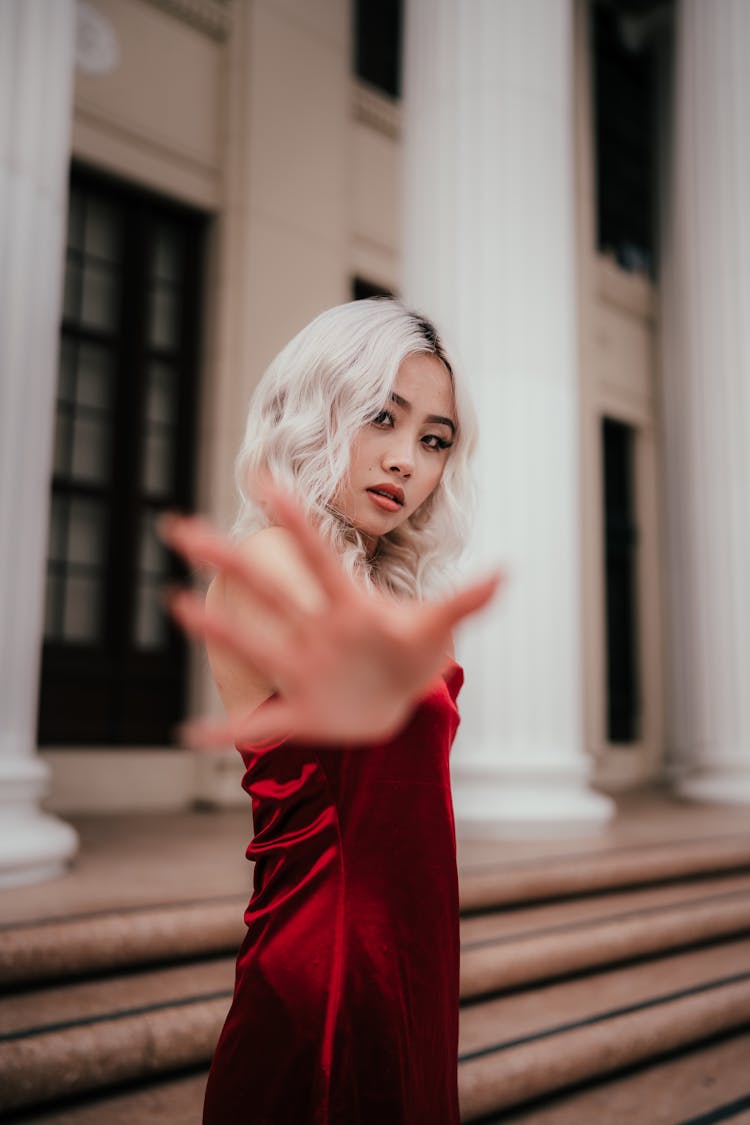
<point x="706" y="402"/>
<point x="489" y="251"/>
<point x="37" y="40"/>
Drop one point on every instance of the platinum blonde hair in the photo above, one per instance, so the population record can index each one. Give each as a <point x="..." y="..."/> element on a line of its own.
<point x="331" y="379"/>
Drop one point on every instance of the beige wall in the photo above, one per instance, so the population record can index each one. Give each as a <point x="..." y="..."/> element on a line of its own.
<point x="156" y="118"/>
<point x="253" y="116"/>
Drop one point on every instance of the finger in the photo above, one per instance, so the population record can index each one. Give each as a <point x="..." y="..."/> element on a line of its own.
<point x="197" y="539"/>
<point x="448" y="613"/>
<point x="322" y="560"/>
<point x="271" y="723"/>
<point x="189" y="609"/>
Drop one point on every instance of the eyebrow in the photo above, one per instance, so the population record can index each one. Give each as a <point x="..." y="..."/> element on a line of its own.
<point x="438" y="418"/>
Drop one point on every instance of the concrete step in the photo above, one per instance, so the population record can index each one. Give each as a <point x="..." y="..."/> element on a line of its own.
<point x="573" y="887"/>
<point x="592" y="1026"/>
<point x="114" y="1031"/>
<point x="69" y="1040"/>
<point x="167" y="1100"/>
<point x="57" y="948"/>
<point x="597" y="960"/>
<point x="544" y="878"/>
<point x="704" y="1085"/>
<point x="502" y="962"/>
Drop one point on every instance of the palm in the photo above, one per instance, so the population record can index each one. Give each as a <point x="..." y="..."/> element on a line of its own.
<point x="349" y="671"/>
<point x="371" y="661"/>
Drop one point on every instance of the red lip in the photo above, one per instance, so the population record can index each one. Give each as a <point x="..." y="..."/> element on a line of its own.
<point x="389" y="489"/>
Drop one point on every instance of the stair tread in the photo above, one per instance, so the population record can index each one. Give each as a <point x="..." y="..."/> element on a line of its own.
<point x="669" y="1092"/>
<point x="46" y="950"/>
<point x="528" y="1013"/>
<point x="558" y="876"/>
<point x="169" y="1101"/>
<point x="505" y="1018"/>
<point x="538" y="917"/>
<point x="542" y="905"/>
<point x="536" y="1068"/>
<point x="534" y="955"/>
<point x="45" y="1008"/>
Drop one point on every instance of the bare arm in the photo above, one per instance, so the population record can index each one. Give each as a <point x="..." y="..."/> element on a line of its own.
<point x="274" y="554"/>
<point x="348" y="665"/>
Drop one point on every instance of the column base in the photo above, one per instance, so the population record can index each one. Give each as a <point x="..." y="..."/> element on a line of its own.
<point x="490" y="804"/>
<point x="34" y="845"/>
<point x="728" y="787"/>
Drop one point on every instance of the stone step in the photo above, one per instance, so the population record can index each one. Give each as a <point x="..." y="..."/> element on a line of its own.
<point x="517" y="920"/>
<point x="69" y="1040"/>
<point x="165" y="1100"/>
<point x="54" y="948"/>
<point x="56" y="1007"/>
<point x="124" y="1030"/>
<point x="538" y="879"/>
<point x="594" y="1025"/>
<point x="706" y="1084"/>
<point x="500" y="963"/>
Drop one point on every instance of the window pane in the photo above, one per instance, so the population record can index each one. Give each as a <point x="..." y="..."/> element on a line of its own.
<point x="87" y="531"/>
<point x="53" y="607"/>
<point x="164" y="316"/>
<point x="66" y="379"/>
<point x="377" y="35"/>
<point x="158" y="470"/>
<point x="95" y="377"/>
<point x="61" y="459"/>
<point x="72" y="294"/>
<point x="102" y="230"/>
<point x="621" y="547"/>
<point x="150" y="620"/>
<point x="168" y="254"/>
<point x="56" y="551"/>
<point x="161" y="400"/>
<point x="82" y="611"/>
<point x="91" y="449"/>
<point x="99" y="299"/>
<point x="153" y="558"/>
<point x="626" y="124"/>
<point x="75" y="220"/>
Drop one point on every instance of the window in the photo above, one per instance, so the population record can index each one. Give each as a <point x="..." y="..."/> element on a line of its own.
<point x="624" y="61"/>
<point x="112" y="664"/>
<point x="362" y="289"/>
<point x="377" y="44"/>
<point x="621" y="540"/>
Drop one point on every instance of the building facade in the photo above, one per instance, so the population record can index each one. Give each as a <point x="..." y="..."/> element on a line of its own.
<point x="562" y="185"/>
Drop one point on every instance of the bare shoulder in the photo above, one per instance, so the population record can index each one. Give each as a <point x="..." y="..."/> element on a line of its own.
<point x="273" y="553"/>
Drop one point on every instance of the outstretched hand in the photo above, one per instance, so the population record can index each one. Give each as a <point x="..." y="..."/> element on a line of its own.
<point x="350" y="670"/>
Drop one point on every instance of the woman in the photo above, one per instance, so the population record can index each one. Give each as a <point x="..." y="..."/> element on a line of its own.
<point x="339" y="683"/>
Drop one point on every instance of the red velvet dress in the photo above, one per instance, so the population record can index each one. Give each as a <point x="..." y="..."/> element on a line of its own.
<point x="345" y="1007"/>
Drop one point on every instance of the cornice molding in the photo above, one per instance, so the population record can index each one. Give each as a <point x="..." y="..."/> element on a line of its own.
<point x="212" y="17"/>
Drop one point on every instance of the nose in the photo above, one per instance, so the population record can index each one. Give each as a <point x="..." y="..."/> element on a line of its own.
<point x="397" y="459"/>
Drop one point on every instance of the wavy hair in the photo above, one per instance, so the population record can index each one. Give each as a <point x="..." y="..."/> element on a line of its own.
<point x="332" y="378"/>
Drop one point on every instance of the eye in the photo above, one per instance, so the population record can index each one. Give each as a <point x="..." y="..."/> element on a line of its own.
<point x="439" y="443"/>
<point x="383" y="418"/>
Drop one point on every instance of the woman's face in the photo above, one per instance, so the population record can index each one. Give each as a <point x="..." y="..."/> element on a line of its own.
<point x="398" y="458"/>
